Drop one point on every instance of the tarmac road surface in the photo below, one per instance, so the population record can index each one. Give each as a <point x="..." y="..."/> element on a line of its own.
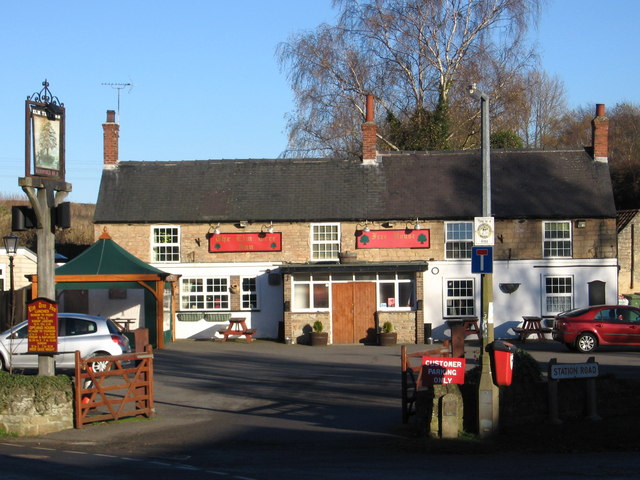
<point x="271" y="411"/>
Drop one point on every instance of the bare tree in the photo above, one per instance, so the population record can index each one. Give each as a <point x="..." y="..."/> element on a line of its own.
<point x="624" y="154"/>
<point x="408" y="53"/>
<point x="543" y="109"/>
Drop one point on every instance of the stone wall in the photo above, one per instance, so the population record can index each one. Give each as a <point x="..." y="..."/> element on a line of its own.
<point x="28" y="414"/>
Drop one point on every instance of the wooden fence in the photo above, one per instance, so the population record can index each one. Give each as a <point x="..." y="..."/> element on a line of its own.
<point x="412" y="375"/>
<point x="123" y="389"/>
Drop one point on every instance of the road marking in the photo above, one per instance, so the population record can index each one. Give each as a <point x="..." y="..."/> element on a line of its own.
<point x="153" y="463"/>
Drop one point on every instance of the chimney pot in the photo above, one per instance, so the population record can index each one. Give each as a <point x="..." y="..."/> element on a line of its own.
<point x="111" y="116"/>
<point x="370" y="109"/>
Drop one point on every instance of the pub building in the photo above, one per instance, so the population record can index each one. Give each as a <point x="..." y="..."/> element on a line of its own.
<point x="282" y="243"/>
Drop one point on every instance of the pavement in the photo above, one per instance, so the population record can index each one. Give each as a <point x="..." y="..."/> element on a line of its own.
<point x="215" y="392"/>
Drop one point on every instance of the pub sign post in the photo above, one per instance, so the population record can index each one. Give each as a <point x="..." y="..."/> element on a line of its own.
<point x="45" y="186"/>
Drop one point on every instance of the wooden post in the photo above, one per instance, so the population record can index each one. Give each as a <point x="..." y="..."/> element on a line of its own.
<point x="405" y="397"/>
<point x="44" y="195"/>
<point x="592" y="400"/>
<point x="553" y="396"/>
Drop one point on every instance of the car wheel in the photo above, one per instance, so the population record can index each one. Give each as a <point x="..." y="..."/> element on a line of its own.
<point x="586" y="342"/>
<point x="102" y="366"/>
<point x="1" y="364"/>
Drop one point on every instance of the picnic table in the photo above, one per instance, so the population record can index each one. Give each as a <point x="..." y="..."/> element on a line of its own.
<point x="531" y="325"/>
<point x="238" y="326"/>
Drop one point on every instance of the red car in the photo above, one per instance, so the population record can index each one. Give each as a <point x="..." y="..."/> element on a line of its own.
<point x="583" y="329"/>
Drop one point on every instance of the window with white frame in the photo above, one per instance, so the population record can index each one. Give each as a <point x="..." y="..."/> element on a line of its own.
<point x="2" y="279"/>
<point x="458" y="240"/>
<point x="165" y="244"/>
<point x="325" y="241"/>
<point x="557" y="239"/>
<point x="249" y="293"/>
<point x="558" y="294"/>
<point x="210" y="293"/>
<point x="459" y="298"/>
<point x="310" y="292"/>
<point x="396" y="290"/>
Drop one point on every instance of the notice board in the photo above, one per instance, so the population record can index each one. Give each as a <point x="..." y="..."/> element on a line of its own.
<point x="42" y="315"/>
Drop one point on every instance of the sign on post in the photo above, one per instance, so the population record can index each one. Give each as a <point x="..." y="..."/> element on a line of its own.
<point x="565" y="371"/>
<point x="42" y="315"/>
<point x="443" y="370"/>
<point x="481" y="259"/>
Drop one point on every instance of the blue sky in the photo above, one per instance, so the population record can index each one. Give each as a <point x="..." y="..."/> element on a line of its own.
<point x="206" y="83"/>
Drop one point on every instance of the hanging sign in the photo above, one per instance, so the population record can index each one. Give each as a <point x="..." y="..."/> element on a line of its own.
<point x="245" y="242"/>
<point x="42" y="315"/>
<point x="393" y="239"/>
<point x="443" y="370"/>
<point x="45" y="135"/>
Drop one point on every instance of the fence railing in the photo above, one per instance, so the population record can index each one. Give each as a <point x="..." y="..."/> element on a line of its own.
<point x="412" y="376"/>
<point x="122" y="387"/>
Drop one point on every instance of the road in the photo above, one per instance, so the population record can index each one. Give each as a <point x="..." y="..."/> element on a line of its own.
<point x="270" y="411"/>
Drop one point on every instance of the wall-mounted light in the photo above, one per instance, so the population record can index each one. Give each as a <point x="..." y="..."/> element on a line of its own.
<point x="214" y="230"/>
<point x="387" y="224"/>
<point x="417" y="226"/>
<point x="365" y="226"/>
<point x="509" y="287"/>
<point x="268" y="228"/>
<point x="242" y="224"/>
<point x="581" y="223"/>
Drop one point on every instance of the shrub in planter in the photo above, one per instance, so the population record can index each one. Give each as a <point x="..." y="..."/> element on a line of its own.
<point x="318" y="336"/>
<point x="387" y="336"/>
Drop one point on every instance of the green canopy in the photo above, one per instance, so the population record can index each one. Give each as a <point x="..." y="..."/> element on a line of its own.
<point x="105" y="259"/>
<point x="106" y="265"/>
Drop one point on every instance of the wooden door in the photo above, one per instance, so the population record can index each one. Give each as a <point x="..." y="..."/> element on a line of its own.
<point x="353" y="312"/>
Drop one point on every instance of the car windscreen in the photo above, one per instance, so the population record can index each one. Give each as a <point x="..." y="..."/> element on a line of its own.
<point x="575" y="312"/>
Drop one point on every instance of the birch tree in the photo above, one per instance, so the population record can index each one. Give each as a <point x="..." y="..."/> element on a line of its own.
<point x="415" y="56"/>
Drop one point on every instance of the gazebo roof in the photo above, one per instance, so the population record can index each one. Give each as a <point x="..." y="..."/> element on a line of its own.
<point x="106" y="257"/>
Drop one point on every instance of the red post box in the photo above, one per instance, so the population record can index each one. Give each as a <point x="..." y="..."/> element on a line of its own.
<point x="501" y="354"/>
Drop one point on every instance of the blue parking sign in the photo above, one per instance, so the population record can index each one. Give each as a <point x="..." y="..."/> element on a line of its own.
<point x="481" y="259"/>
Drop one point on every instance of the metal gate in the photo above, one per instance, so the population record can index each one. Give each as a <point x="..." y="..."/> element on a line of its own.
<point x="124" y="388"/>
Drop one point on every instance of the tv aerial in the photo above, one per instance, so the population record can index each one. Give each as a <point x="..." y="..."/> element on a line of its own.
<point x="118" y="87"/>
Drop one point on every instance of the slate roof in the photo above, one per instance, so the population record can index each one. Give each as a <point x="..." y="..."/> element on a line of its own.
<point x="425" y="185"/>
<point x="624" y="217"/>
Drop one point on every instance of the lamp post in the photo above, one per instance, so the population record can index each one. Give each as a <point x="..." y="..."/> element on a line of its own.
<point x="488" y="406"/>
<point x="11" y="247"/>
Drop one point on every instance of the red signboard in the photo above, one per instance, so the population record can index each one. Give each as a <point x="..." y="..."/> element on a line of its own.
<point x="42" y="315"/>
<point x="393" y="239"/>
<point x="245" y="242"/>
<point x="442" y="370"/>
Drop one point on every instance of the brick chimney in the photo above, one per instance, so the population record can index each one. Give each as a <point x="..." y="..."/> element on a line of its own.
<point x="111" y="133"/>
<point x="369" y="134"/>
<point x="600" y="135"/>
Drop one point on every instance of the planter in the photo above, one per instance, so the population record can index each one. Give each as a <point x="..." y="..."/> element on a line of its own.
<point x="387" y="339"/>
<point x="319" y="339"/>
<point x="348" y="257"/>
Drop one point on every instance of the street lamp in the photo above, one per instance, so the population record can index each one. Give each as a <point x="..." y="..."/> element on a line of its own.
<point x="11" y="247"/>
<point x="488" y="406"/>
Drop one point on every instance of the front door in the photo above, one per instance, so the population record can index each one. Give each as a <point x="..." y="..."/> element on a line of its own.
<point x="353" y="312"/>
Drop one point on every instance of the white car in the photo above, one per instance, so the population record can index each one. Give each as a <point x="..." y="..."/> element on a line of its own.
<point x="91" y="335"/>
